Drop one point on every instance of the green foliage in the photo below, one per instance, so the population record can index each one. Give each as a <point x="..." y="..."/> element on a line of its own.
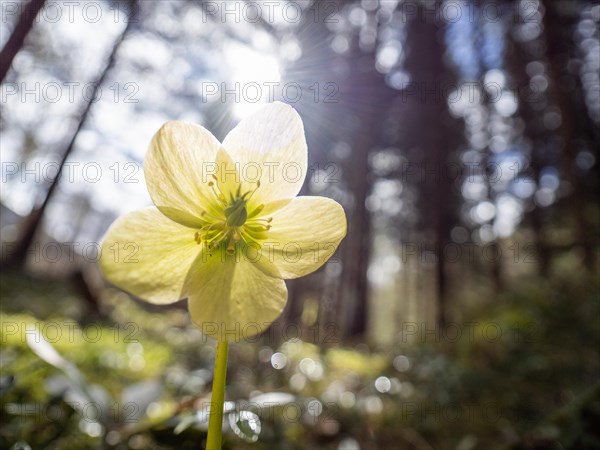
<point x="533" y="384"/>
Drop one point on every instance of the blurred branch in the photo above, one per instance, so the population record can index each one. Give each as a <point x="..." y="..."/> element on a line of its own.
<point x="17" y="38"/>
<point x="414" y="438"/>
<point x="558" y="418"/>
<point x="33" y="221"/>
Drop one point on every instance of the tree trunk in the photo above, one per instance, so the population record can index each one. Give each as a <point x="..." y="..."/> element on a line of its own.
<point x="559" y="37"/>
<point x="31" y="224"/>
<point x="434" y="139"/>
<point x="17" y="38"/>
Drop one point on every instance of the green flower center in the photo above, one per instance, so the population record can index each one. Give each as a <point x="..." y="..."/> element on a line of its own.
<point x="236" y="213"/>
<point x="230" y="224"/>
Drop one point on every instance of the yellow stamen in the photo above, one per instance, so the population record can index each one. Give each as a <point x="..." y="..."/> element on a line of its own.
<point x="234" y="224"/>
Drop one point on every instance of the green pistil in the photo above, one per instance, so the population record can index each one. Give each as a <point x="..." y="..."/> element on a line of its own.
<point x="236" y="213"/>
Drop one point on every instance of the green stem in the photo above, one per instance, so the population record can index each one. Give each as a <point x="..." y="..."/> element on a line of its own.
<point x="215" y="421"/>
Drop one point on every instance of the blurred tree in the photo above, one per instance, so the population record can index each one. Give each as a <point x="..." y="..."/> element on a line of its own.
<point x="29" y="12"/>
<point x="432" y="138"/>
<point x="576" y="128"/>
<point x="31" y="225"/>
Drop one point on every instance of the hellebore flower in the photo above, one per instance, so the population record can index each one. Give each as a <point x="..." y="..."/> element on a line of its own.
<point x="227" y="227"/>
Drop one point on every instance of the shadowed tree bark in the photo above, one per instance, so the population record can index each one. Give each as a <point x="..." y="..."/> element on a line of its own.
<point x="363" y="106"/>
<point x="559" y="27"/>
<point x="433" y="139"/>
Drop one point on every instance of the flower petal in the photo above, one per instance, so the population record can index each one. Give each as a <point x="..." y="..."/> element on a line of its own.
<point x="178" y="166"/>
<point x="304" y="235"/>
<point x="148" y="255"/>
<point x="231" y="298"/>
<point x="227" y="176"/>
<point x="270" y="147"/>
